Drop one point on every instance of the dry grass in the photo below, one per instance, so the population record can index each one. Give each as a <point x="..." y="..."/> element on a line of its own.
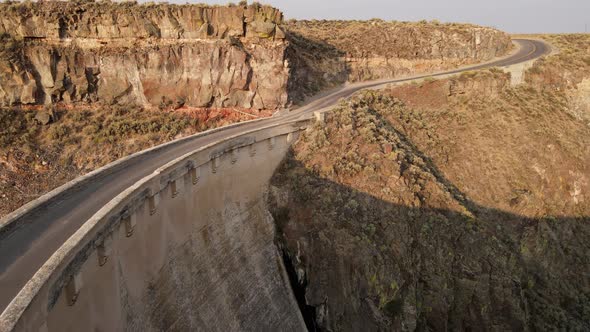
<point x="445" y="198"/>
<point x="515" y="149"/>
<point x="565" y="69"/>
<point x="323" y="53"/>
<point x="521" y="149"/>
<point x="390" y="39"/>
<point x="432" y="211"/>
<point x="35" y="158"/>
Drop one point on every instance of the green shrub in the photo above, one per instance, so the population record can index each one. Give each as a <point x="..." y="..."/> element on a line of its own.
<point x="58" y="132"/>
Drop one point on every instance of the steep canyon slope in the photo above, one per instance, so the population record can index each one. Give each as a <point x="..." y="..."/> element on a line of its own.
<point x="218" y="56"/>
<point x="455" y="204"/>
<point x="83" y="84"/>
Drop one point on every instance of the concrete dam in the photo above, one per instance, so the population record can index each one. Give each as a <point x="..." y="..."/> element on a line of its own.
<point x="189" y="247"/>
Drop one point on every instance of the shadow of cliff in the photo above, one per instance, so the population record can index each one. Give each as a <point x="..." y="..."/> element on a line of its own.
<point x="370" y="263"/>
<point x="315" y="66"/>
<point x="457" y="272"/>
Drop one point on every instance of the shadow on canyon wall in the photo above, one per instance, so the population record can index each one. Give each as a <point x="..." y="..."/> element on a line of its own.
<point x="315" y="66"/>
<point x="372" y="264"/>
<point x="363" y="262"/>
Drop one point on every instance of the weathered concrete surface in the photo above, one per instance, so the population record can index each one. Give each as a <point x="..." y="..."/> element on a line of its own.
<point x="204" y="261"/>
<point x="194" y="252"/>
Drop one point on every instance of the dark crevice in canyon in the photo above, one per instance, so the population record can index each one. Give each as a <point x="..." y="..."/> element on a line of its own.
<point x="307" y="311"/>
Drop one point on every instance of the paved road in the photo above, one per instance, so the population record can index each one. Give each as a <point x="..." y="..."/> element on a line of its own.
<point x="23" y="252"/>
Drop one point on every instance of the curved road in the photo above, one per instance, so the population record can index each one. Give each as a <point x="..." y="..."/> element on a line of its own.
<point x="23" y="252"/>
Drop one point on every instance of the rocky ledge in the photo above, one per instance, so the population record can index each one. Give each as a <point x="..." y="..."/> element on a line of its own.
<point x="125" y="53"/>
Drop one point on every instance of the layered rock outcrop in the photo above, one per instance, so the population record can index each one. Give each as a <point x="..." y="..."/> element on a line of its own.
<point x="233" y="56"/>
<point x="141" y="54"/>
<point x="332" y="52"/>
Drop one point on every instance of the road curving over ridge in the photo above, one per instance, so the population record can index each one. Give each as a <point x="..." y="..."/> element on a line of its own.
<point x="30" y="235"/>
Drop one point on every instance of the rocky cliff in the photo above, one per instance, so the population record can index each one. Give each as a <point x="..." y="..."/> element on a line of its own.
<point x="331" y="52"/>
<point x="202" y="56"/>
<point x="142" y="54"/>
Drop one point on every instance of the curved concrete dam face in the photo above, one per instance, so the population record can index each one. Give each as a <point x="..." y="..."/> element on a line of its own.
<point x="190" y="248"/>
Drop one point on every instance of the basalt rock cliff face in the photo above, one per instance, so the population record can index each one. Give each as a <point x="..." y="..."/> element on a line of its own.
<point x="233" y="56"/>
<point x="140" y="54"/>
<point x="326" y="53"/>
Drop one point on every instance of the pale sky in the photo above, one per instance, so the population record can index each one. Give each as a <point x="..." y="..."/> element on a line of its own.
<point x="515" y="16"/>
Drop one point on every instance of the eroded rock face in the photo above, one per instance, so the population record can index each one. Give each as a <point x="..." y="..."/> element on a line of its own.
<point x="128" y="20"/>
<point x="145" y="55"/>
<point x="325" y="53"/>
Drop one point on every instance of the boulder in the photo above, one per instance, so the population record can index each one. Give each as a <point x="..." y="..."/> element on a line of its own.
<point x="263" y="29"/>
<point x="279" y="33"/>
<point x="43" y="117"/>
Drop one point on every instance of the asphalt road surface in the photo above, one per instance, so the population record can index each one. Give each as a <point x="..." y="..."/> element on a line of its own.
<point x="24" y="252"/>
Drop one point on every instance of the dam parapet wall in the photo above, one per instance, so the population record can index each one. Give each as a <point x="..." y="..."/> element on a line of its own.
<point x="189" y="247"/>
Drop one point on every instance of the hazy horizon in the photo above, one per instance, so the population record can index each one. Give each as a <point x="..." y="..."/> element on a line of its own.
<point x="514" y="16"/>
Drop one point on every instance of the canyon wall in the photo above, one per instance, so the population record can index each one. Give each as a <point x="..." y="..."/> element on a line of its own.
<point x="142" y="54"/>
<point x="326" y="53"/>
<point x="233" y="56"/>
<point x="440" y="211"/>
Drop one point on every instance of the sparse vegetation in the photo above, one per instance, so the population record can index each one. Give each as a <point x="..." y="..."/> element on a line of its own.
<point x="414" y="234"/>
<point x="327" y="53"/>
<point x="565" y="69"/>
<point x="82" y="139"/>
<point x="377" y="37"/>
<point x="448" y="205"/>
